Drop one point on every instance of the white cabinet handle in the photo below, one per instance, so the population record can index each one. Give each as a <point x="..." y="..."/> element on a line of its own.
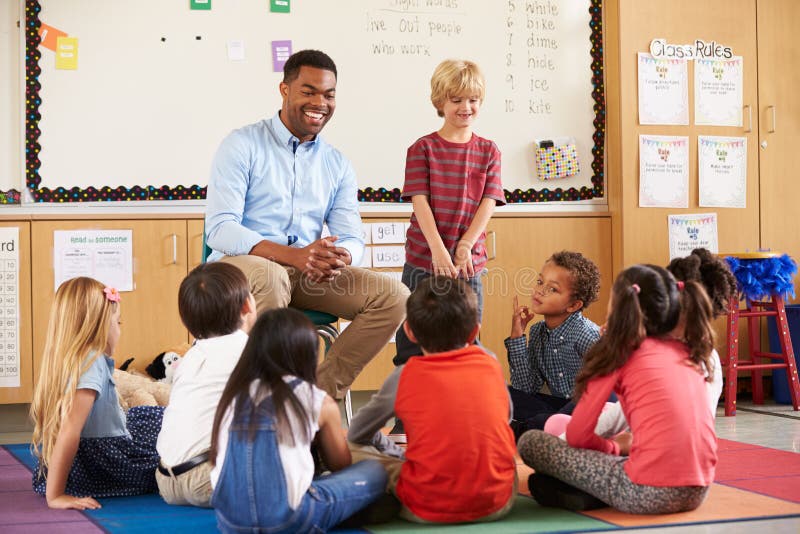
<point x="493" y="235"/>
<point x="174" y="248"/>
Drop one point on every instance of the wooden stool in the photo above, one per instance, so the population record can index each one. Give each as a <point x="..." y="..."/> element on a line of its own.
<point x="753" y="311"/>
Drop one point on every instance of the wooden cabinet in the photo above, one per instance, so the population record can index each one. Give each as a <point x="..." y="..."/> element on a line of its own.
<point x="150" y="321"/>
<point x="641" y="234"/>
<point x="763" y="33"/>
<point x="164" y="250"/>
<point x="518" y="247"/>
<point x="779" y="126"/>
<point x="23" y="393"/>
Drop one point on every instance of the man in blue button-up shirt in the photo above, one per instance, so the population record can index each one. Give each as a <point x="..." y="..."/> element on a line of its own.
<point x="273" y="185"/>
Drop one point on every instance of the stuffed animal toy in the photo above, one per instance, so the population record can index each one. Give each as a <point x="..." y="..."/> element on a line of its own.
<point x="163" y="366"/>
<point x="136" y="390"/>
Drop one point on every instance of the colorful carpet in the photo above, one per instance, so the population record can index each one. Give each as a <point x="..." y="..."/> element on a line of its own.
<point x="752" y="482"/>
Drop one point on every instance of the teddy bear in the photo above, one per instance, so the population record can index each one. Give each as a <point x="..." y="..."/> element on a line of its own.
<point x="137" y="389"/>
<point x="134" y="389"/>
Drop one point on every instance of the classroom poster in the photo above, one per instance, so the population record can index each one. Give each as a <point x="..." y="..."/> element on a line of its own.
<point x="66" y="53"/>
<point x="663" y="171"/>
<point x="105" y="255"/>
<point x="663" y="90"/>
<point x="9" y="307"/>
<point x="718" y="92"/>
<point x="722" y="175"/>
<point x="281" y="50"/>
<point x="688" y="232"/>
<point x="235" y="49"/>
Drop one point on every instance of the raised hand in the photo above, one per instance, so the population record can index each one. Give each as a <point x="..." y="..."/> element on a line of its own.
<point x="519" y="319"/>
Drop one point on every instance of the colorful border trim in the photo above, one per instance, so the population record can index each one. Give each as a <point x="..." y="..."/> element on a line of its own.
<point x="12" y="196"/>
<point x="369" y="194"/>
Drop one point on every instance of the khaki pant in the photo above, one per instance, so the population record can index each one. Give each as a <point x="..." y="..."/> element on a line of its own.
<point x="391" y="464"/>
<point x="375" y="304"/>
<point x="192" y="487"/>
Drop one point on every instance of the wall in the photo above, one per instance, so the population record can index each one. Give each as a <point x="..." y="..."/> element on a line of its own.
<point x="10" y="177"/>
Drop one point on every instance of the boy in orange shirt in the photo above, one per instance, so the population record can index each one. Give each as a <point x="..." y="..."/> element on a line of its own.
<point x="447" y="477"/>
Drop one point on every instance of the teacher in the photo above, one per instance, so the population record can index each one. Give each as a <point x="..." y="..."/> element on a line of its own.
<point x="273" y="185"/>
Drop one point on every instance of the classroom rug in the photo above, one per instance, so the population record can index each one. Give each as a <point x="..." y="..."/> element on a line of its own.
<point x="752" y="482"/>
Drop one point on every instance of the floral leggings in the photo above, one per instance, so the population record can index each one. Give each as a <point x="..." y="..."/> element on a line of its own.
<point x="603" y="476"/>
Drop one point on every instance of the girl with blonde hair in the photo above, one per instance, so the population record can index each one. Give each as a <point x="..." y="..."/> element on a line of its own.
<point x="85" y="445"/>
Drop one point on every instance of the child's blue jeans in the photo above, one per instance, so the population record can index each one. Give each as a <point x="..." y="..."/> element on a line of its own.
<point x="251" y="494"/>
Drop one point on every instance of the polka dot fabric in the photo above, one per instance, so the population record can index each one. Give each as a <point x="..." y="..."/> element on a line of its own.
<point x="118" y="466"/>
<point x="557" y="162"/>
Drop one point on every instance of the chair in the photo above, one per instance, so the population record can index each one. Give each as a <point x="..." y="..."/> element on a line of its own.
<point x="769" y="306"/>
<point x="325" y="323"/>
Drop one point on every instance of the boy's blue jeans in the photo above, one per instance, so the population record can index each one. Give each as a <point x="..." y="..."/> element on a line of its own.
<point x="251" y="492"/>
<point x="411" y="277"/>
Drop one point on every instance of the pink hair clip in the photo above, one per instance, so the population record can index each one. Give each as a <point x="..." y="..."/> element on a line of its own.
<point x="112" y="294"/>
<point x="680" y="285"/>
<point x="636" y="288"/>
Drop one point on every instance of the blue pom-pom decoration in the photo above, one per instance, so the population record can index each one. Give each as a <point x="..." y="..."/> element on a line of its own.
<point x="763" y="277"/>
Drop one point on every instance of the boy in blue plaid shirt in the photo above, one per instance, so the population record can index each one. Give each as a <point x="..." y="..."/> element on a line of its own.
<point x="554" y="351"/>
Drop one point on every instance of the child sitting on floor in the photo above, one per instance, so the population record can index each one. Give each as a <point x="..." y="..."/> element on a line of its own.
<point x="268" y="415"/>
<point x="217" y="308"/>
<point x="448" y="476"/>
<point x="567" y="284"/>
<point x="717" y="279"/>
<point x="84" y="444"/>
<point x="661" y="386"/>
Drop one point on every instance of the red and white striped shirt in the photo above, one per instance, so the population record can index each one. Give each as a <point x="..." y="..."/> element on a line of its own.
<point x="455" y="177"/>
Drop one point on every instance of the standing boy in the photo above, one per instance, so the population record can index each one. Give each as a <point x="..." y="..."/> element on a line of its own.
<point x="444" y="476"/>
<point x="217" y="308"/>
<point x="453" y="181"/>
<point x="567" y="284"/>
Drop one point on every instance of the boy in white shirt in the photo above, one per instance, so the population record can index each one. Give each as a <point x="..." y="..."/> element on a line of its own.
<point x="217" y="308"/>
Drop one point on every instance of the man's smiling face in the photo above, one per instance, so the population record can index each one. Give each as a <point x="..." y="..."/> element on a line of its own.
<point x="308" y="102"/>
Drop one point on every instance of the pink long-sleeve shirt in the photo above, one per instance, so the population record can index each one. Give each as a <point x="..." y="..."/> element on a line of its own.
<point x="665" y="400"/>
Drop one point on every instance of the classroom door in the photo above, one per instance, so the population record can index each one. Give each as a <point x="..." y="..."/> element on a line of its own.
<point x="779" y="124"/>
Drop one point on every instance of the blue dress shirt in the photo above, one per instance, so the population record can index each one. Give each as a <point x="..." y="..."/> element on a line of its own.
<point x="265" y="184"/>
<point x="553" y="356"/>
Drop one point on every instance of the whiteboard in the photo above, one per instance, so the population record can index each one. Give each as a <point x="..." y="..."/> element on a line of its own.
<point x="155" y="92"/>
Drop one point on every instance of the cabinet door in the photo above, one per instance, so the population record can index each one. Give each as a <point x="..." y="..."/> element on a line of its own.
<point x="520" y="246"/>
<point x="23" y="393"/>
<point x="150" y="320"/>
<point x="779" y="124"/>
<point x="726" y="22"/>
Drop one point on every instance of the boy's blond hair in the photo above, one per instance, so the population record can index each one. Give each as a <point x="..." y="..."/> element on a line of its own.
<point x="455" y="77"/>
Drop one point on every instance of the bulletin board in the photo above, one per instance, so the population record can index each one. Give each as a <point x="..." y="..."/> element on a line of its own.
<point x="155" y="89"/>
